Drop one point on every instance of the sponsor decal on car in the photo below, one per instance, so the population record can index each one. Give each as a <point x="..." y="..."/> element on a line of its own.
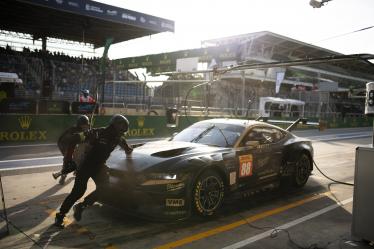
<point x="232" y="178"/>
<point x="174" y="186"/>
<point x="174" y="202"/>
<point x="245" y="165"/>
<point x="177" y="212"/>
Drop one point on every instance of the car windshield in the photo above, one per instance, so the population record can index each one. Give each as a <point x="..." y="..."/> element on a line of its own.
<point x="223" y="135"/>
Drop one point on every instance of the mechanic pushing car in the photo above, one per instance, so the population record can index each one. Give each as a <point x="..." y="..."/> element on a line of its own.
<point x="102" y="142"/>
<point x="67" y="150"/>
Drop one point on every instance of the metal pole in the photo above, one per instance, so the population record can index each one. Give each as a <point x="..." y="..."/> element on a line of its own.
<point x="243" y="90"/>
<point x="113" y="93"/>
<point x="103" y="86"/>
<point x="4" y="207"/>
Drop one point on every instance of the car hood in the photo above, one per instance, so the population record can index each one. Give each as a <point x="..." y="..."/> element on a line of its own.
<point x="155" y="153"/>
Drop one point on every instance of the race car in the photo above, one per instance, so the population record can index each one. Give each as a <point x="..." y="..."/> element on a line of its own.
<point x="196" y="169"/>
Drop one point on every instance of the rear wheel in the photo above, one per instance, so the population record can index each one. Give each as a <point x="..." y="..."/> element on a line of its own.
<point x="302" y="171"/>
<point x="208" y="193"/>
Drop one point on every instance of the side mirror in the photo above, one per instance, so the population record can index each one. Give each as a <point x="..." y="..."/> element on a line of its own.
<point x="252" y="143"/>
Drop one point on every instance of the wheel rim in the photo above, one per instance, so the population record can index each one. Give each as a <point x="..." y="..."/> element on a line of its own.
<point x="210" y="193"/>
<point x="302" y="170"/>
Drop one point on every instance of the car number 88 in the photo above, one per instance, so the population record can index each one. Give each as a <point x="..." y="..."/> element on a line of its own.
<point x="246" y="169"/>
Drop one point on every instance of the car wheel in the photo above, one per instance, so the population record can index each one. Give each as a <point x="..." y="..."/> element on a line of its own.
<point x="208" y="193"/>
<point x="302" y="171"/>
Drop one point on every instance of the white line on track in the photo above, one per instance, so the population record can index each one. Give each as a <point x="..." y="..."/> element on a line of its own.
<point x="132" y="140"/>
<point x="333" y="137"/>
<point x="32" y="167"/>
<point x="25" y="145"/>
<point x="31" y="159"/>
<point x="287" y="225"/>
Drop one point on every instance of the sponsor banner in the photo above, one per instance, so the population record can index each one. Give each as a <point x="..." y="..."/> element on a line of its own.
<point x="25" y="128"/>
<point x="108" y="13"/>
<point x="47" y="128"/>
<point x="18" y="106"/>
<point x="83" y="108"/>
<point x="161" y="62"/>
<point x="54" y="107"/>
<point x="279" y="78"/>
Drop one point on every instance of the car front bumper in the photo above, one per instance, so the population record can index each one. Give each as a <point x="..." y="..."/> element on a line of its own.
<point x="157" y="201"/>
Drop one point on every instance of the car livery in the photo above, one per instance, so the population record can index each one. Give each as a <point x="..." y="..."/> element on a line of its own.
<point x="195" y="170"/>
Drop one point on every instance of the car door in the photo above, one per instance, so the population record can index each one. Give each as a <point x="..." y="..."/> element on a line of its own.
<point x="259" y="156"/>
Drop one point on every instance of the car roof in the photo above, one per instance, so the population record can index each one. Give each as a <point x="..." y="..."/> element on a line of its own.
<point x="240" y="122"/>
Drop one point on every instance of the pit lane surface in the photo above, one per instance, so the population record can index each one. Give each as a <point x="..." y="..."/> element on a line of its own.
<point x="319" y="214"/>
<point x="30" y="158"/>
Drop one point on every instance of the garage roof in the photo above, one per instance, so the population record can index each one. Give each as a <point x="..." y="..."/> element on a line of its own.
<point x="285" y="48"/>
<point x="77" y="20"/>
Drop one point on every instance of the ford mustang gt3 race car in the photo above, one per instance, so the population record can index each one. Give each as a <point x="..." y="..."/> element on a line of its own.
<point x="195" y="170"/>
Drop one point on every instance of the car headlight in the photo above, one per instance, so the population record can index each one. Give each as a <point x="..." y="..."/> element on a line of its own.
<point x="162" y="176"/>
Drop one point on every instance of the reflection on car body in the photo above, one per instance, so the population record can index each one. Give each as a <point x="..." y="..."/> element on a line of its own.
<point x="197" y="168"/>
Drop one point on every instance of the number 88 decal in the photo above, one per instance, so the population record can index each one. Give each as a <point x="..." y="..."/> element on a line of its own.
<point x="246" y="165"/>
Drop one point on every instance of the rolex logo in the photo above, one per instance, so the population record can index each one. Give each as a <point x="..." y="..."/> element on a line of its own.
<point x="140" y="121"/>
<point x="24" y="122"/>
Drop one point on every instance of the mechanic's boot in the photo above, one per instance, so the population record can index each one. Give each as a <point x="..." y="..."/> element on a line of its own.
<point x="78" y="210"/>
<point x="62" y="179"/>
<point x="59" y="220"/>
<point x="56" y="175"/>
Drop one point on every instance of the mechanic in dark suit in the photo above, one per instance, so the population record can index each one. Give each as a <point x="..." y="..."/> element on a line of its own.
<point x="102" y="142"/>
<point x="67" y="149"/>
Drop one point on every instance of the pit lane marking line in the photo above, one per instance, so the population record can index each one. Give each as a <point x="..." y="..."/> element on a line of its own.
<point x="241" y="222"/>
<point x="67" y="222"/>
<point x="132" y="140"/>
<point x="266" y="234"/>
<point x="30" y="159"/>
<point x="336" y="137"/>
<point x="24" y="145"/>
<point x="111" y="247"/>
<point x="52" y="213"/>
<point x="31" y="167"/>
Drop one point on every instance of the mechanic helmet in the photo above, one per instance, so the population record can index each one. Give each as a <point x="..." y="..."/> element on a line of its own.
<point x="85" y="92"/>
<point x="119" y="123"/>
<point x="83" y="122"/>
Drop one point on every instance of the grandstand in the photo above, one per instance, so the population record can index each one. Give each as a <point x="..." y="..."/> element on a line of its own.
<point x="56" y="74"/>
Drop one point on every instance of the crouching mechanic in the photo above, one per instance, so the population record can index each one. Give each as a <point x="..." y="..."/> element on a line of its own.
<point x="67" y="149"/>
<point x="102" y="142"/>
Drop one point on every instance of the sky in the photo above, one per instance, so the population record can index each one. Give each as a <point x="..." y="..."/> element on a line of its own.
<point x="331" y="26"/>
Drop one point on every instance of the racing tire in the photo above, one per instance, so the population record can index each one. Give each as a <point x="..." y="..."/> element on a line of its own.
<point x="208" y="193"/>
<point x="301" y="171"/>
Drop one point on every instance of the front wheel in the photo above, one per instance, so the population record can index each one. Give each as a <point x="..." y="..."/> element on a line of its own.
<point x="302" y="171"/>
<point x="208" y="193"/>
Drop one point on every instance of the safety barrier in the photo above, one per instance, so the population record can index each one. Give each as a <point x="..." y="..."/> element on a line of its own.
<point x="30" y="128"/>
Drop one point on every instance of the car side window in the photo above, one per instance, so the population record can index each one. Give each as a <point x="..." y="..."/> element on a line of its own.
<point x="263" y="135"/>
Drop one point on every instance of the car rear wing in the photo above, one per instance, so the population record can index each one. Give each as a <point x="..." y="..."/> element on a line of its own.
<point x="292" y="124"/>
